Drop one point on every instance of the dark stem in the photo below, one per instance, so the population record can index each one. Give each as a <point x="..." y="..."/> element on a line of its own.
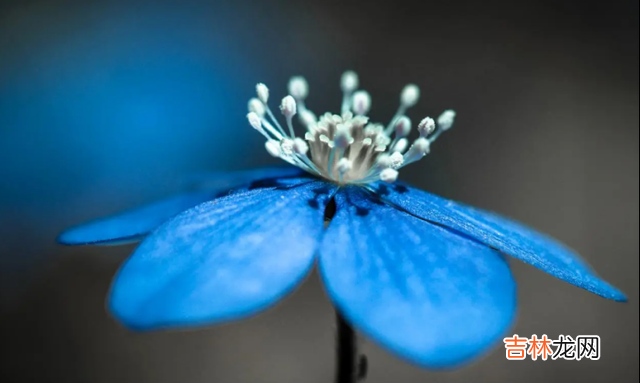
<point x="351" y="367"/>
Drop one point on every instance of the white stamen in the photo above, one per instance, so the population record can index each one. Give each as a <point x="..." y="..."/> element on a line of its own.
<point x="307" y="117"/>
<point x="349" y="81"/>
<point x="421" y="145"/>
<point x="361" y="102"/>
<point x="384" y="161"/>
<point x="342" y="138"/>
<point x="344" y="165"/>
<point x="410" y="95"/>
<point x="426" y="126"/>
<point x="382" y="140"/>
<point x="396" y="160"/>
<point x="256" y="106"/>
<point x="402" y="127"/>
<point x="389" y="175"/>
<point x="300" y="146"/>
<point x="298" y="87"/>
<point x="287" y="146"/>
<point x="273" y="148"/>
<point x="288" y="106"/>
<point x="263" y="92"/>
<point x="344" y="148"/>
<point x="418" y="150"/>
<point x="445" y="121"/>
<point x="255" y="121"/>
<point x="401" y="145"/>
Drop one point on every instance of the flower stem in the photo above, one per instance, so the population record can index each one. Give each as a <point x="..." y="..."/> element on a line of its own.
<point x="351" y="367"/>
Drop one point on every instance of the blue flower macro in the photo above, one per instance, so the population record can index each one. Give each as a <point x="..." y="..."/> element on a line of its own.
<point x="423" y="276"/>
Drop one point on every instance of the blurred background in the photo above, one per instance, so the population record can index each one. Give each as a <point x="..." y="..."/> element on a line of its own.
<point x="107" y="104"/>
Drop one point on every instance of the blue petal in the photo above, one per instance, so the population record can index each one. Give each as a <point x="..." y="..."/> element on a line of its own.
<point x="503" y="234"/>
<point x="132" y="225"/>
<point x="222" y="260"/>
<point x="424" y="292"/>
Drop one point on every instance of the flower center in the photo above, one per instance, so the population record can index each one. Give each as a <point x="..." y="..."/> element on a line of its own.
<point x="345" y="148"/>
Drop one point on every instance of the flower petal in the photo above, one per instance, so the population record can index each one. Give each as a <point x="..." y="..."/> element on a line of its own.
<point x="502" y="234"/>
<point x="222" y="260"/>
<point x="132" y="225"/>
<point x="424" y="292"/>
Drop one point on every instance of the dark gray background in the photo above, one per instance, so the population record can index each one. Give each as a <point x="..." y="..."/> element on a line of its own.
<point x="547" y="133"/>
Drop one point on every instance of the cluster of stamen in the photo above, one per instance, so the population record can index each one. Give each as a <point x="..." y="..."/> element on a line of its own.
<point x="345" y="148"/>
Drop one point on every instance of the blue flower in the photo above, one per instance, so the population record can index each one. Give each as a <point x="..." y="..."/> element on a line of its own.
<point x="421" y="275"/>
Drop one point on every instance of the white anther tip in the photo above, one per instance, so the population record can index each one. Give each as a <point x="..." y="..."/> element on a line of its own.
<point x="344" y="165"/>
<point x="298" y="87"/>
<point x="410" y="95"/>
<point x="349" y="81"/>
<point x="421" y="145"/>
<point x="263" y="92"/>
<point x="273" y="148"/>
<point x="426" y="126"/>
<point x="389" y="175"/>
<point x="255" y="121"/>
<point x="307" y="117"/>
<point x="286" y="146"/>
<point x="300" y="146"/>
<point x="384" y="161"/>
<point x="361" y="102"/>
<point x="256" y="106"/>
<point x="401" y="145"/>
<point x="445" y="121"/>
<point x="396" y="160"/>
<point x="342" y="138"/>
<point x="402" y="126"/>
<point x="288" y="106"/>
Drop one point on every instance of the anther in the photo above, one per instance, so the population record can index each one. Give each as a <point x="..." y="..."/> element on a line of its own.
<point x="402" y="126"/>
<point x="349" y="81"/>
<point x="344" y="165"/>
<point x="287" y="146"/>
<point x="396" y="160"/>
<point x="426" y="126"/>
<point x="300" y="146"/>
<point x="257" y="107"/>
<point x="307" y="117"/>
<point x="361" y="102"/>
<point x="288" y="106"/>
<point x="273" y="148"/>
<point x="410" y="95"/>
<point x="263" y="92"/>
<point x="298" y="87"/>
<point x="445" y="121"/>
<point x="255" y="121"/>
<point x="389" y="175"/>
<point x="418" y="150"/>
<point x="401" y="145"/>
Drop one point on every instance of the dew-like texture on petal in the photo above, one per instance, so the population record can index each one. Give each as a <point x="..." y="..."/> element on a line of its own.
<point x="134" y="224"/>
<point x="503" y="234"/>
<point x="422" y="291"/>
<point x="222" y="260"/>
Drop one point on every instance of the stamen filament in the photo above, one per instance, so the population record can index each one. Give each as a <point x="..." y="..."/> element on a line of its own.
<point x="401" y="110"/>
<point x="292" y="134"/>
<point x="274" y="120"/>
